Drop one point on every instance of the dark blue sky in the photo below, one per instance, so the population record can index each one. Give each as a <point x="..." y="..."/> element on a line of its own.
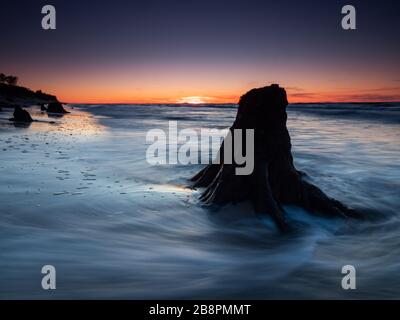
<point x="192" y="47"/>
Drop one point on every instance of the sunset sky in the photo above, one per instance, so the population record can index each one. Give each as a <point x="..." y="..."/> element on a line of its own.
<point x="203" y="51"/>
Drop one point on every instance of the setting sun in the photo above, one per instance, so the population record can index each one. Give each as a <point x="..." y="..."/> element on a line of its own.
<point x="193" y="100"/>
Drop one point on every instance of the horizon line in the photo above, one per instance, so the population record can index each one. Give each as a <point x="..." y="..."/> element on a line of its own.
<point x="224" y="103"/>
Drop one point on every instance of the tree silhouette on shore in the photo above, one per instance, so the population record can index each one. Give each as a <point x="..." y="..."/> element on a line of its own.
<point x="10" y="80"/>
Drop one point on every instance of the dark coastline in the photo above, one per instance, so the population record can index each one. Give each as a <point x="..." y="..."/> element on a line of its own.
<point x="12" y="96"/>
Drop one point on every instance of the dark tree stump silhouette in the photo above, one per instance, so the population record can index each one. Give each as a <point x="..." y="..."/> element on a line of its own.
<point x="21" y="115"/>
<point x="274" y="180"/>
<point x="56" y="107"/>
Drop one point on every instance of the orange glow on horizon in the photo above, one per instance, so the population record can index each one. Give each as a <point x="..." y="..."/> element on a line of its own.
<point x="91" y="95"/>
<point x="316" y="97"/>
<point x="208" y="88"/>
<point x="210" y="82"/>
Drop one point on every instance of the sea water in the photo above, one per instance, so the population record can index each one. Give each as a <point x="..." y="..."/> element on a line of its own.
<point x="77" y="193"/>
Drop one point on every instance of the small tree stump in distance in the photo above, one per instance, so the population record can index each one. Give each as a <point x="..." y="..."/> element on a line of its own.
<point x="21" y="115"/>
<point x="274" y="180"/>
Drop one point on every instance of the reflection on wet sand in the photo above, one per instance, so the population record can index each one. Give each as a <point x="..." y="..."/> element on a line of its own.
<point x="77" y="123"/>
<point x="21" y="125"/>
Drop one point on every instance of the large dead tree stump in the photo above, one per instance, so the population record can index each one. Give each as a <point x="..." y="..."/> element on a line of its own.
<point x="274" y="180"/>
